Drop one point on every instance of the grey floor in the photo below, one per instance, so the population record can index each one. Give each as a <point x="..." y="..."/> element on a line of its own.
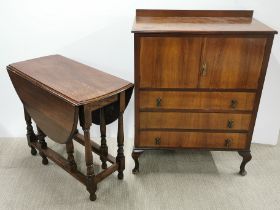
<point x="168" y="180"/>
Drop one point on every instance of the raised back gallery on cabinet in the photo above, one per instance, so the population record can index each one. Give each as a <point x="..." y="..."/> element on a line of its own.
<point x="198" y="79"/>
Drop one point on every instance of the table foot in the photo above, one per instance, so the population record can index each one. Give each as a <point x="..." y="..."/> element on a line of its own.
<point x="120" y="175"/>
<point x="91" y="187"/>
<point x="45" y="160"/>
<point x="33" y="151"/>
<point x="104" y="165"/>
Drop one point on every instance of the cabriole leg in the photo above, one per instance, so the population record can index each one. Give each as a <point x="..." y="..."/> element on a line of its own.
<point x="30" y="135"/>
<point x="135" y="155"/>
<point x="246" y="158"/>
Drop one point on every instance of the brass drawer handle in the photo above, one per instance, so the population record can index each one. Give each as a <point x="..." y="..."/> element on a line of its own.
<point x="157" y="140"/>
<point x="204" y="69"/>
<point x="233" y="103"/>
<point x="228" y="143"/>
<point x="158" y="102"/>
<point x="230" y="123"/>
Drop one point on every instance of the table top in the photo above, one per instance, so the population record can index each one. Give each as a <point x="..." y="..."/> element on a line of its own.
<point x="72" y="81"/>
<point x="199" y="22"/>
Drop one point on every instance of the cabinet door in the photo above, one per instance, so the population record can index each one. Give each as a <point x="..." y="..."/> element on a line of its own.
<point x="169" y="62"/>
<point x="231" y="62"/>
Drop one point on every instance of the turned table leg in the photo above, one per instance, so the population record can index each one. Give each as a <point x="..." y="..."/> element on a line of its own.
<point x="43" y="144"/>
<point x="91" y="184"/>
<point x="246" y="158"/>
<point x="135" y="155"/>
<point x="103" y="147"/>
<point x="70" y="152"/>
<point x="30" y="135"/>
<point x="120" y="137"/>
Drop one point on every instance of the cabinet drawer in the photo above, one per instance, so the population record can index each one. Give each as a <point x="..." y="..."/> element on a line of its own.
<point x="197" y="100"/>
<point x="185" y="120"/>
<point x="192" y="140"/>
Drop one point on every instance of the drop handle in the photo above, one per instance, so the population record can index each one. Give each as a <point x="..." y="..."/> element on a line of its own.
<point x="158" y="102"/>
<point x="203" y="69"/>
<point x="157" y="140"/>
<point x="230" y="123"/>
<point x="233" y="103"/>
<point x="228" y="143"/>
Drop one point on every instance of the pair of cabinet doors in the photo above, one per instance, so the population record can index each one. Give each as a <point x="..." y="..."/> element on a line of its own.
<point x="201" y="62"/>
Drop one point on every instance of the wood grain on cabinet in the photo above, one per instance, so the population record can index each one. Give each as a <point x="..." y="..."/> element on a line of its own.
<point x="199" y="22"/>
<point x="232" y="62"/>
<point x="169" y="62"/>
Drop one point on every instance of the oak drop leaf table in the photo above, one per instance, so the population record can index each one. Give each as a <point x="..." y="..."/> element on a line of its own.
<point x="57" y="92"/>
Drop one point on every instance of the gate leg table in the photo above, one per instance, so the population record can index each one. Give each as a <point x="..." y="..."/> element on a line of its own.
<point x="56" y="93"/>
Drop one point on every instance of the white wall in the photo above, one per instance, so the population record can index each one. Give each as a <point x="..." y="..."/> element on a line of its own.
<point x="97" y="33"/>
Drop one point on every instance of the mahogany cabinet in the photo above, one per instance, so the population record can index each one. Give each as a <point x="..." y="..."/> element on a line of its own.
<point x="198" y="79"/>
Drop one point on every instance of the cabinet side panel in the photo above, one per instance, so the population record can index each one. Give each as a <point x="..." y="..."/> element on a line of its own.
<point x="267" y="52"/>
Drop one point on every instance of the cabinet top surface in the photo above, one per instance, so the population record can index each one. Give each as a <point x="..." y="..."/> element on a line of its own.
<point x="74" y="82"/>
<point x="198" y="22"/>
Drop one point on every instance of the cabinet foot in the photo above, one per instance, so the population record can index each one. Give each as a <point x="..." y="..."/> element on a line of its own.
<point x="92" y="197"/>
<point x="246" y="155"/>
<point x="135" y="155"/>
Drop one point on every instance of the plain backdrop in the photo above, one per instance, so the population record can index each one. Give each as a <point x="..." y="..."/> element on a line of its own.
<point x="98" y="33"/>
